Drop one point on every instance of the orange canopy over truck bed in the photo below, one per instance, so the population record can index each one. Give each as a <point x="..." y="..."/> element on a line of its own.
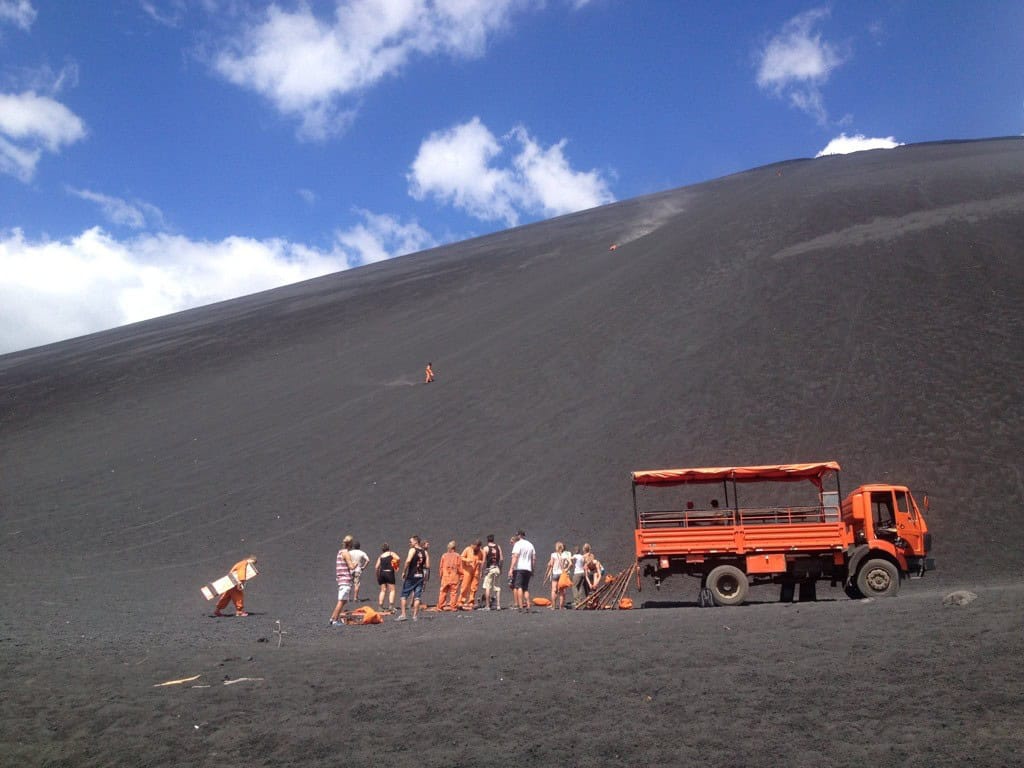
<point x="776" y="472"/>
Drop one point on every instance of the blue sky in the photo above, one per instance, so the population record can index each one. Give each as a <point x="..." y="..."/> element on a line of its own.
<point x="157" y="155"/>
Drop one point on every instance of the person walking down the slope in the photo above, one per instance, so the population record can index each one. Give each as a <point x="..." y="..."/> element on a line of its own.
<point x="237" y="593"/>
<point x="559" y="563"/>
<point x="521" y="569"/>
<point x="417" y="562"/>
<point x="343" y="567"/>
<point x="385" y="568"/>
<point x="451" y="579"/>
<point x="578" y="574"/>
<point x="492" y="574"/>
<point x="472" y="561"/>
<point x="361" y="560"/>
<point x="428" y="373"/>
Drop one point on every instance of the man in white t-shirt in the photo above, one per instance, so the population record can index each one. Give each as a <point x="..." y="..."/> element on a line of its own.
<point x="521" y="569"/>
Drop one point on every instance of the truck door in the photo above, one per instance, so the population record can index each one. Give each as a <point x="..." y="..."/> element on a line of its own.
<point x="908" y="526"/>
<point x="883" y="515"/>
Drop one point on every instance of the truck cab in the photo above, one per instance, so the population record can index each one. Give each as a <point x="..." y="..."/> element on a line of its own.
<point x="887" y="518"/>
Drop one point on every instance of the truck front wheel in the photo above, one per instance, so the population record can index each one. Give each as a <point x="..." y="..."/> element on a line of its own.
<point x="728" y="585"/>
<point x="878" y="578"/>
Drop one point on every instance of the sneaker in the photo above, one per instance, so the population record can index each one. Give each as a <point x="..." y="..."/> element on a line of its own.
<point x="415" y="617"/>
<point x="243" y="614"/>
<point x="336" y="623"/>
<point x="486" y="608"/>
<point x="401" y="618"/>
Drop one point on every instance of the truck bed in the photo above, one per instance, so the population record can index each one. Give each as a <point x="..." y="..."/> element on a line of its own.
<point x="752" y="530"/>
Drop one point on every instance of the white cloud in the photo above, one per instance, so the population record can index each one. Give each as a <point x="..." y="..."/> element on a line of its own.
<point x="29" y="124"/>
<point x="454" y="166"/>
<point x="57" y="289"/>
<point x="549" y="185"/>
<point x="135" y="215"/>
<point x="458" y="167"/>
<point x="169" y="14"/>
<point x="843" y="144"/>
<point x="306" y="194"/>
<point x="381" y="237"/>
<point x="20" y="13"/>
<point x="313" y="69"/>
<point x="797" y="62"/>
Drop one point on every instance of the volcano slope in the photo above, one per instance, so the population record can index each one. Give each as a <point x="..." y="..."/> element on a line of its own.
<point x="865" y="308"/>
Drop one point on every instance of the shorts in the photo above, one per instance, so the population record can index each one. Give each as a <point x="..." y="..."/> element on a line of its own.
<point x="344" y="590"/>
<point x="414" y="587"/>
<point x="492" y="580"/>
<point x="386" y="577"/>
<point x="521" y="579"/>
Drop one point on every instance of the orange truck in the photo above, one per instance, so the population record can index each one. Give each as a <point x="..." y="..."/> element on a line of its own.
<point x="868" y="544"/>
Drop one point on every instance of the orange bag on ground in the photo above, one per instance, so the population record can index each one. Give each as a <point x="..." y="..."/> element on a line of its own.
<point x="625" y="603"/>
<point x="541" y="601"/>
<point x="365" y="615"/>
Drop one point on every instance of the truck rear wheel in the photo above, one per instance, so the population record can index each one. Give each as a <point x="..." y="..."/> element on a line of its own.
<point x="878" y="578"/>
<point x="728" y="585"/>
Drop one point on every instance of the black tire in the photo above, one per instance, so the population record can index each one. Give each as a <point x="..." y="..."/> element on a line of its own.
<point x="878" y="578"/>
<point x="728" y="585"/>
<point x="852" y="592"/>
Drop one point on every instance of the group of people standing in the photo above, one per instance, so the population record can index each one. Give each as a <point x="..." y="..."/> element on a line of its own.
<point x="462" y="574"/>
<point x="580" y="571"/>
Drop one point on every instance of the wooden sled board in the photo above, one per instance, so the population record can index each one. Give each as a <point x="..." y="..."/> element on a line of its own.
<point x="224" y="583"/>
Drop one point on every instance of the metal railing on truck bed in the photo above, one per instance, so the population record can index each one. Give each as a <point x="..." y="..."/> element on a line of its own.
<point x="744" y="516"/>
<point x="768" y="529"/>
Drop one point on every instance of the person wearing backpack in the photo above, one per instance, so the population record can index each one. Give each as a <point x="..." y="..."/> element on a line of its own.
<point x="417" y="563"/>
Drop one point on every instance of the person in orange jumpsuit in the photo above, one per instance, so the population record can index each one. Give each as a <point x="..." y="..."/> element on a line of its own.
<point x="451" y="571"/>
<point x="472" y="562"/>
<point x="236" y="593"/>
<point x="428" y="375"/>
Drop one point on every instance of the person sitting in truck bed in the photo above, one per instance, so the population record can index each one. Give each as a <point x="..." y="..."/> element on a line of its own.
<point x="718" y="516"/>
<point x="687" y="515"/>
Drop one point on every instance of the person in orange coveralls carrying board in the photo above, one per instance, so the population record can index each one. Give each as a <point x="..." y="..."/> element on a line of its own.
<point x="237" y="592"/>
<point x="428" y="373"/>
<point x="451" y="578"/>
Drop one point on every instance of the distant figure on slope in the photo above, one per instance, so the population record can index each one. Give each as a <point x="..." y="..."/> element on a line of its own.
<point x="428" y="373"/>
<point x="451" y="576"/>
<point x="387" y="564"/>
<point x="236" y="593"/>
